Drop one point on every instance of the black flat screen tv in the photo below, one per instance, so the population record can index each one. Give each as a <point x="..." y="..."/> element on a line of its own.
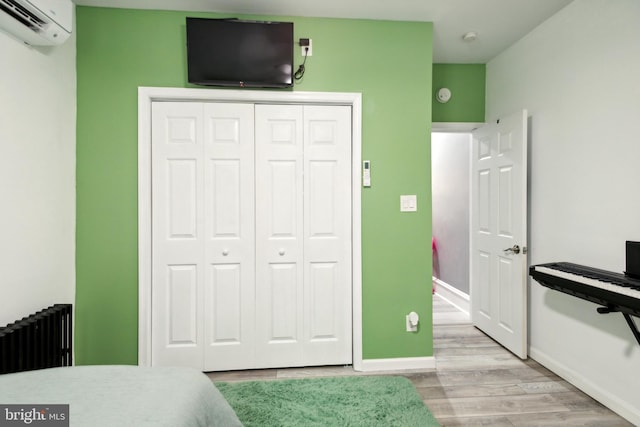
<point x="232" y="52"/>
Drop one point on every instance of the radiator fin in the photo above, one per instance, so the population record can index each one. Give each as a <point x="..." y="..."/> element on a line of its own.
<point x="42" y="340"/>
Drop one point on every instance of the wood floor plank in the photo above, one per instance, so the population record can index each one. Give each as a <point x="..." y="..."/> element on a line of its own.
<point x="456" y="331"/>
<point x="578" y="401"/>
<point x="473" y="362"/>
<point x="312" y="372"/>
<point x="450" y="318"/>
<point x="478" y="376"/>
<point x="569" y="419"/>
<point x="551" y="386"/>
<point x="472" y="350"/>
<point x="248" y="375"/>
<point x="476" y="390"/>
<point x="490" y="421"/>
<point x="494" y="405"/>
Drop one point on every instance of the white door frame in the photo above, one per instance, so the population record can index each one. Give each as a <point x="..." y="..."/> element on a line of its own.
<point x="462" y="127"/>
<point x="147" y="95"/>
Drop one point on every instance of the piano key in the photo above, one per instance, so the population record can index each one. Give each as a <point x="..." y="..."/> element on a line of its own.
<point x="596" y="274"/>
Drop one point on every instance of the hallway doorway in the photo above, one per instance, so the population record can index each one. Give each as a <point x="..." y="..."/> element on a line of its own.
<point x="450" y="168"/>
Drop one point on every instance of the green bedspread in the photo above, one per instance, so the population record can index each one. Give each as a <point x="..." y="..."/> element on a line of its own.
<point x="123" y="396"/>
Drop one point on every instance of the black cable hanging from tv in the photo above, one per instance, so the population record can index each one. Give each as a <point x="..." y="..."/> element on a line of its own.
<point x="300" y="72"/>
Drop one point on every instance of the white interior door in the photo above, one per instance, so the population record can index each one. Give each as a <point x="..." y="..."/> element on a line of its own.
<point x="251" y="231"/>
<point x="279" y="235"/>
<point x="303" y="231"/>
<point x="499" y="231"/>
<point x="327" y="231"/>
<point x="178" y="235"/>
<point x="203" y="239"/>
<point x="229" y="251"/>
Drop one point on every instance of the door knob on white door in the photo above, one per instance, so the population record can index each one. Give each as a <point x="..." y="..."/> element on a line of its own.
<point x="225" y="252"/>
<point x="515" y="249"/>
<point x="281" y="252"/>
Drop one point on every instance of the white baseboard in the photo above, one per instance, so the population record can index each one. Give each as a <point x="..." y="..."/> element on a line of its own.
<point x="398" y="364"/>
<point x="622" y="408"/>
<point x="452" y="295"/>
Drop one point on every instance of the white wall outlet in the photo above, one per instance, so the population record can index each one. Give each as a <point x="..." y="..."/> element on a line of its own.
<point x="303" y="49"/>
<point x="412" y="322"/>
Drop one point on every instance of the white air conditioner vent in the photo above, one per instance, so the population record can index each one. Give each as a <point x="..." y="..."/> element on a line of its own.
<point x="37" y="22"/>
<point x="21" y="14"/>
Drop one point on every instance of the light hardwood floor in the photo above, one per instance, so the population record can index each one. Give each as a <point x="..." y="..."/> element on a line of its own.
<point x="446" y="314"/>
<point x="476" y="382"/>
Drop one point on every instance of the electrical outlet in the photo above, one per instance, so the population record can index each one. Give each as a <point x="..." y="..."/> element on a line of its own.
<point x="303" y="49"/>
<point x="410" y="327"/>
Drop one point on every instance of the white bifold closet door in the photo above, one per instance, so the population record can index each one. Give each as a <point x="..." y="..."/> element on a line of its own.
<point x="251" y="235"/>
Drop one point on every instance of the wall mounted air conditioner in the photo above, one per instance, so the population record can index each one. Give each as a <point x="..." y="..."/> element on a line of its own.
<point x="37" y="22"/>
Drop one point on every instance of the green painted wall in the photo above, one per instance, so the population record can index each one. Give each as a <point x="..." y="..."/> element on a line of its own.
<point x="467" y="85"/>
<point x="119" y="50"/>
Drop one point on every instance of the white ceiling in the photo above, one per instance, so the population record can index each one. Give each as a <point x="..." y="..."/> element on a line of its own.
<point x="498" y="23"/>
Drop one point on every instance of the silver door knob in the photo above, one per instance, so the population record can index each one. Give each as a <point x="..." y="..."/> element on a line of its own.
<point x="515" y="249"/>
<point x="281" y="252"/>
<point x="225" y="252"/>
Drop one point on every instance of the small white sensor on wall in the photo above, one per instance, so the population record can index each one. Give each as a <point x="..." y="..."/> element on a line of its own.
<point x="443" y="95"/>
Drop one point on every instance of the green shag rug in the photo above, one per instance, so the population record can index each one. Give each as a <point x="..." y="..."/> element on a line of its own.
<point x="342" y="401"/>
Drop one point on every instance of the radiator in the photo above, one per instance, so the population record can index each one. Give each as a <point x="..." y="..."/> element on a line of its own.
<point x="42" y="340"/>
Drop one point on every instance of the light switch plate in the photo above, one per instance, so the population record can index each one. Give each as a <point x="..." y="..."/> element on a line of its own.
<point x="408" y="203"/>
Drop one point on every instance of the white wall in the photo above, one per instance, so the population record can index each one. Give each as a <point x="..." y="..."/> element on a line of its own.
<point x="37" y="177"/>
<point x="577" y="74"/>
<point x="450" y="153"/>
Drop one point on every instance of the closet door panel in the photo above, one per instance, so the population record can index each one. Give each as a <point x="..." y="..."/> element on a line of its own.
<point x="279" y="235"/>
<point x="327" y="235"/>
<point x="178" y="234"/>
<point x="228" y="153"/>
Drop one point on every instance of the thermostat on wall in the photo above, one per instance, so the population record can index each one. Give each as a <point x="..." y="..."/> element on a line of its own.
<point x="366" y="173"/>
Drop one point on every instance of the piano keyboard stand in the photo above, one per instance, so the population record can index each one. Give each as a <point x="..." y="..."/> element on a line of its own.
<point x="627" y="317"/>
<point x="584" y="282"/>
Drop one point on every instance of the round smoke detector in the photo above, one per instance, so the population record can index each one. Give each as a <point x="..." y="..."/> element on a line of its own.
<point x="443" y="95"/>
<point x="470" y="36"/>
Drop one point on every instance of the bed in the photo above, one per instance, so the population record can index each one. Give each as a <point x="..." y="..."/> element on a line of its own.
<point x="123" y="395"/>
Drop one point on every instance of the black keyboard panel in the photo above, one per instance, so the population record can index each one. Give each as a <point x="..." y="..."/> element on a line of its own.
<point x="610" y="298"/>
<point x="595" y="274"/>
<point x="607" y="298"/>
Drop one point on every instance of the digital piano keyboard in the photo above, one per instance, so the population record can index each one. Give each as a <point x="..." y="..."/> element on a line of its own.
<point x="614" y="292"/>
